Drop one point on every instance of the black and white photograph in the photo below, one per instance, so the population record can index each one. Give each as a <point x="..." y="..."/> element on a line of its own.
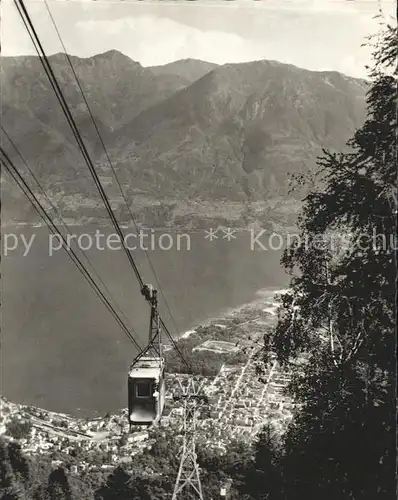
<point x="198" y="249"/>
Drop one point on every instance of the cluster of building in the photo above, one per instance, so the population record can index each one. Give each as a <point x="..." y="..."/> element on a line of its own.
<point x="81" y="444"/>
<point x="242" y="404"/>
<point x="240" y="400"/>
<point x="238" y="404"/>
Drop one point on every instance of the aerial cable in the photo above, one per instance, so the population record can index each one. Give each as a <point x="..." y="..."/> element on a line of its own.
<point x="122" y="313"/>
<point x="175" y="345"/>
<point x="22" y="184"/>
<point x="47" y="67"/>
<point x="18" y="179"/>
<point x="108" y="157"/>
<point x="54" y="83"/>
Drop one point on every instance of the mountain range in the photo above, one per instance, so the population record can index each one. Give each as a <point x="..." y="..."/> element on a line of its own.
<point x="185" y="137"/>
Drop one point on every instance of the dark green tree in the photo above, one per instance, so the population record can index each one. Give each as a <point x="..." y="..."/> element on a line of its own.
<point x="41" y="492"/>
<point x="18" y="429"/>
<point x="19" y="463"/>
<point x="341" y="311"/>
<point x="58" y="485"/>
<point x="117" y="487"/>
<point x="266" y="482"/>
<point x="11" y="486"/>
<point x="228" y="469"/>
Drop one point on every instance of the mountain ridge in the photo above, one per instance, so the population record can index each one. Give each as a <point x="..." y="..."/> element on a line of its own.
<point x="239" y="112"/>
<point x="234" y="134"/>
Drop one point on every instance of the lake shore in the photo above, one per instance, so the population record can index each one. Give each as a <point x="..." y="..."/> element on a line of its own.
<point x="265" y="300"/>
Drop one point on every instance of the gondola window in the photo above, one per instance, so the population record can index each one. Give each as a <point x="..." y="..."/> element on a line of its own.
<point x="143" y="389"/>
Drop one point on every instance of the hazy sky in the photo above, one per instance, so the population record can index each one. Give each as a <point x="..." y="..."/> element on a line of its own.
<point x="317" y="35"/>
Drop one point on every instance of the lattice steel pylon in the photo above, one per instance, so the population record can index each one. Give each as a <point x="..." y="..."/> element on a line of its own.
<point x="188" y="477"/>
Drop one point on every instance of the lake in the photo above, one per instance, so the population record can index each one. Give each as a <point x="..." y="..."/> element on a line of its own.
<point x="62" y="350"/>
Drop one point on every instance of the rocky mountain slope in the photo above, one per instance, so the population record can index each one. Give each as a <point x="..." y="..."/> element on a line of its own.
<point x="187" y="132"/>
<point x="238" y="131"/>
<point x="189" y="69"/>
<point x="116" y="87"/>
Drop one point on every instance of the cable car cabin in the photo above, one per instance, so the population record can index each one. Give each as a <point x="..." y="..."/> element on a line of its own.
<point x="146" y="391"/>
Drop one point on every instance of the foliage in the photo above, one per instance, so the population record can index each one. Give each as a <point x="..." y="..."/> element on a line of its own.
<point x="17" y="482"/>
<point x="23" y="478"/>
<point x="8" y="487"/>
<point x="117" y="487"/>
<point x="341" y="311"/>
<point x="58" y="485"/>
<point x="18" y="429"/>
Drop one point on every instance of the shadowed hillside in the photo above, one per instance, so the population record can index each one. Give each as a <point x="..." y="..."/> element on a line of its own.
<point x="233" y="135"/>
<point x="237" y="132"/>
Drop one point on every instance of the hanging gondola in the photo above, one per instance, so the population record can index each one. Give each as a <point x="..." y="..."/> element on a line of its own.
<point x="146" y="385"/>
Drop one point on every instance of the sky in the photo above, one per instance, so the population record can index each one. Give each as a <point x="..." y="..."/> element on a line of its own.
<point x="313" y="34"/>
